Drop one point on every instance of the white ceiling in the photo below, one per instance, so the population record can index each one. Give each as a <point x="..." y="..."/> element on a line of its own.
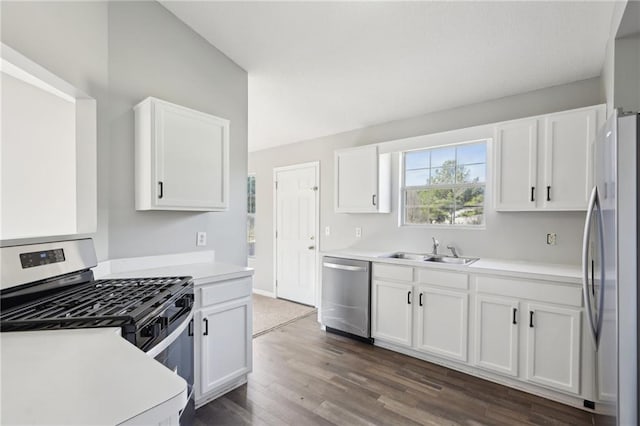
<point x="320" y="68"/>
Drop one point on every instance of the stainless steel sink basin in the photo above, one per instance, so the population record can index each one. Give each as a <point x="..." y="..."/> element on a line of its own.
<point x="409" y="256"/>
<point x="432" y="258"/>
<point x="452" y="260"/>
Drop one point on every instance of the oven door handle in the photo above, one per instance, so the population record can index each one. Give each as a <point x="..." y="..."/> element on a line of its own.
<point x="164" y="344"/>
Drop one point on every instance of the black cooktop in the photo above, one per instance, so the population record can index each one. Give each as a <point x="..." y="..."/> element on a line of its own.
<point x="98" y="303"/>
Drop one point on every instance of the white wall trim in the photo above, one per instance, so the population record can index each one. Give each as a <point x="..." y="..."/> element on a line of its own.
<point x="264" y="293"/>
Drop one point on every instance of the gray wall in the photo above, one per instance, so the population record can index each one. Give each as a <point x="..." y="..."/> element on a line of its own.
<point x="120" y="53"/>
<point x="519" y="236"/>
<point x="151" y="53"/>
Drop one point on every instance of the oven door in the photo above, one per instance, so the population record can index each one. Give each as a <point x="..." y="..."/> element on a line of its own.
<point x="175" y="352"/>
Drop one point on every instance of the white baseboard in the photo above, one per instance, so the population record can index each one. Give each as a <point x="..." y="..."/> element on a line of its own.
<point x="264" y="293"/>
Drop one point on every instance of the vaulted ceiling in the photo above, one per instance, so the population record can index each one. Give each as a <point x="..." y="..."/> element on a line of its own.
<point x="320" y="68"/>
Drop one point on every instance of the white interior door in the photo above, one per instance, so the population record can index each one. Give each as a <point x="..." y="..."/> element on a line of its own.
<point x="296" y="218"/>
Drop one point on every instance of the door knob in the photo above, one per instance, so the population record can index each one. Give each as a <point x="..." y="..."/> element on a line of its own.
<point x="312" y="247"/>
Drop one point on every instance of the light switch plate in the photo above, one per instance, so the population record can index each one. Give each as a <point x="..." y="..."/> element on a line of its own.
<point x="551" y="239"/>
<point x="358" y="232"/>
<point x="327" y="231"/>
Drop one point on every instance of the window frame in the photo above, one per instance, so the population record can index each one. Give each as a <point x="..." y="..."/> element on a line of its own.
<point x="402" y="187"/>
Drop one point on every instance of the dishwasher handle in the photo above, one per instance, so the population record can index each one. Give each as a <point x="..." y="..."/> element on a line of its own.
<point x="344" y="267"/>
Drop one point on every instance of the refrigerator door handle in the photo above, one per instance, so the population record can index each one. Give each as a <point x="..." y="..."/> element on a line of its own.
<point x="593" y="200"/>
<point x="602" y="292"/>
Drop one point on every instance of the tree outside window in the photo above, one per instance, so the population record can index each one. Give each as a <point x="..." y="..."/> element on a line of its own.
<point x="251" y="216"/>
<point x="445" y="186"/>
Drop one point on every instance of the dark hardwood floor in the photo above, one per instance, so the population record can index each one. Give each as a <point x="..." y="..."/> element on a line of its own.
<point x="303" y="376"/>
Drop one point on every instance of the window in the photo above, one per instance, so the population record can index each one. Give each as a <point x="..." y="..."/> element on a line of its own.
<point x="251" y="216"/>
<point x="445" y="185"/>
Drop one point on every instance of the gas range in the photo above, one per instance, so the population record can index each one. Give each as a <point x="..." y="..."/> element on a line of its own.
<point x="50" y="286"/>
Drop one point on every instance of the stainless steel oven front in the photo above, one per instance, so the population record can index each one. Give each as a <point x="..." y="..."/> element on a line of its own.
<point x="175" y="352"/>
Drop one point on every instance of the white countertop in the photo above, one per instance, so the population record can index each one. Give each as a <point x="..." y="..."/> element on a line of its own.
<point x="523" y="269"/>
<point x="83" y="377"/>
<point x="201" y="272"/>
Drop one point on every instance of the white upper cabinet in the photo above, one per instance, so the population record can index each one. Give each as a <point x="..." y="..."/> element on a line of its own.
<point x="545" y="163"/>
<point x="182" y="158"/>
<point x="48" y="179"/>
<point x="362" y="180"/>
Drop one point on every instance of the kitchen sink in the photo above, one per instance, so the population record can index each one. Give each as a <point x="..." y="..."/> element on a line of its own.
<point x="432" y="258"/>
<point x="409" y="256"/>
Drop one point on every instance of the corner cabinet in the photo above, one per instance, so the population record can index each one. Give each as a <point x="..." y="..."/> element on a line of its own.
<point x="181" y="158"/>
<point x="546" y="162"/>
<point x="223" y="344"/>
<point x="362" y="180"/>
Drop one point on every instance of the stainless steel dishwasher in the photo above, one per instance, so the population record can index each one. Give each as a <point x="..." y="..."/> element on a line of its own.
<point x="346" y="297"/>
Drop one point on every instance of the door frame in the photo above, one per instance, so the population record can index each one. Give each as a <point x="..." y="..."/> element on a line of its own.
<point x="276" y="170"/>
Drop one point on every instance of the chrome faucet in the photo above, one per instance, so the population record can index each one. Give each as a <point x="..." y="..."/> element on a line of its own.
<point x="436" y="244"/>
<point x="453" y="250"/>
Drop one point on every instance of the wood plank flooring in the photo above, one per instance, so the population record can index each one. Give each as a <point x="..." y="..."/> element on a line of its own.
<point x="304" y="376"/>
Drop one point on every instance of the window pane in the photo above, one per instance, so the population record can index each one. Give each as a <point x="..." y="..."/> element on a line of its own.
<point x="417" y="177"/>
<point x="416" y="215"/>
<point x="442" y="155"/>
<point x="442" y="175"/>
<point x="251" y="235"/>
<point x="416" y="160"/>
<point x="471" y="173"/>
<point x="469" y="206"/>
<point x="474" y="153"/>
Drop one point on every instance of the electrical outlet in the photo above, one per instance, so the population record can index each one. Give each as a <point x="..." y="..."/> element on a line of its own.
<point x="358" y="232"/>
<point x="201" y="239"/>
<point x="551" y="239"/>
<point x="327" y="231"/>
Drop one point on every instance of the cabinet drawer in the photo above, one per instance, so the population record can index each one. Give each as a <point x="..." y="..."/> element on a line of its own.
<point x="443" y="278"/>
<point x="393" y="272"/>
<point x="532" y="290"/>
<point x="225" y="290"/>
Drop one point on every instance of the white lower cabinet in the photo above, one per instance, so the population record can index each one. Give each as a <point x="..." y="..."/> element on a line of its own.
<point x="553" y="346"/>
<point x="223" y="347"/>
<point x="525" y="333"/>
<point x="392" y="312"/>
<point x="442" y="322"/>
<point x="496" y="340"/>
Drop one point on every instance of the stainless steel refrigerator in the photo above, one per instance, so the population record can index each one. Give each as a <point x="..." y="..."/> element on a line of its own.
<point x="610" y="270"/>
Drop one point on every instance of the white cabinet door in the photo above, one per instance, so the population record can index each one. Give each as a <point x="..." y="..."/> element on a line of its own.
<point x="568" y="159"/>
<point x="362" y="180"/>
<point x="441" y="322"/>
<point x="391" y="306"/>
<point x="225" y="332"/>
<point x="182" y="158"/>
<point x="496" y="339"/>
<point x="516" y="151"/>
<point x="553" y="347"/>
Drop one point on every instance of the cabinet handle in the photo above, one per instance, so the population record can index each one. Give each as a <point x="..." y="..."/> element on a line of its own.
<point x="533" y="190"/>
<point x="421" y="299"/>
<point x="531" y="319"/>
<point x="206" y="327"/>
<point x="515" y="312"/>
<point x="190" y="332"/>
<point x="548" y="193"/>
<point x="409" y="298"/>
<point x="373" y="199"/>
<point x="161" y="185"/>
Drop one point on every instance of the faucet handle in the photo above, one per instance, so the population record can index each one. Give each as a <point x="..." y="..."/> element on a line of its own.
<point x="435" y="242"/>
<point x="453" y="250"/>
